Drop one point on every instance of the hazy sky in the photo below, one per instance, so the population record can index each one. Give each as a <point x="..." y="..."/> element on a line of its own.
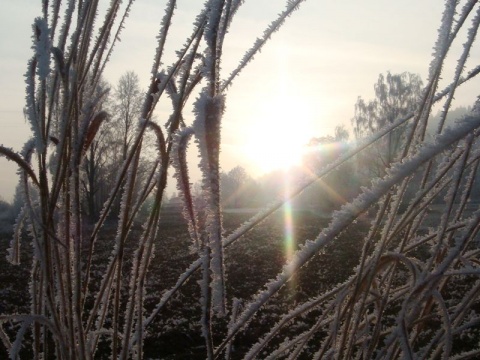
<point x="303" y="83"/>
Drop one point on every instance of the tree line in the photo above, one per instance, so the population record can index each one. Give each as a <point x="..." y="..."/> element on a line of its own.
<point x="396" y="96"/>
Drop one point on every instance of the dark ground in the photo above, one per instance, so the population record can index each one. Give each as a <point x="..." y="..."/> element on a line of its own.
<point x="250" y="262"/>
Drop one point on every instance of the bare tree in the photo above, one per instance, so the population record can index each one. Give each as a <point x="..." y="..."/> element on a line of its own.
<point x="238" y="188"/>
<point x="396" y="96"/>
<point x="126" y="107"/>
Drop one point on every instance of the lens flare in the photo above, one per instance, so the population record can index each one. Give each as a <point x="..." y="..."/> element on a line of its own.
<point x="288" y="230"/>
<point x="288" y="220"/>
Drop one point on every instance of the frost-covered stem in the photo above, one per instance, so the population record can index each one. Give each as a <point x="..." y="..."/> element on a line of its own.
<point x="162" y="37"/>
<point x="46" y="256"/>
<point x="76" y="267"/>
<point x="465" y="191"/>
<point x="148" y="188"/>
<point x="92" y="337"/>
<point x="65" y="29"/>
<point x="377" y="330"/>
<point x="300" y="341"/>
<point x="402" y="248"/>
<point x="233" y="317"/>
<point x="207" y="130"/>
<point x="211" y="36"/>
<point x="55" y="16"/>
<point x="122" y="237"/>
<point x="143" y="256"/>
<point x="421" y="292"/>
<point x="179" y="99"/>
<point x="135" y="301"/>
<point x="465" y="305"/>
<point x="468" y="188"/>
<point x="66" y="296"/>
<point x="209" y="110"/>
<point x="350" y="213"/>
<point x="117" y="286"/>
<point x="354" y="309"/>
<point x="425" y="196"/>
<point x="102" y="40"/>
<point x="116" y="38"/>
<point x="292" y="5"/>
<point x="124" y="226"/>
<point x="125" y="168"/>
<point x="444" y="332"/>
<point x="445" y="38"/>
<point x="267" y="211"/>
<point x="456" y="185"/>
<point x="452" y="194"/>
<point x="13" y="255"/>
<point x="472" y="32"/>
<point x="363" y="144"/>
<point x="168" y="294"/>
<point x="157" y="86"/>
<point x="13" y="156"/>
<point x="294" y="313"/>
<point x="87" y="30"/>
<point x="109" y="203"/>
<point x="61" y="168"/>
<point x="74" y="318"/>
<point x="223" y="26"/>
<point x="179" y="162"/>
<point x="28" y="320"/>
<point x="442" y="44"/>
<point x="205" y="302"/>
<point x="364" y="275"/>
<point x="35" y="306"/>
<point x="145" y="261"/>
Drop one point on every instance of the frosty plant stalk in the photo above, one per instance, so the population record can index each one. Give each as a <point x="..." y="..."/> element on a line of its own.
<point x="413" y="293"/>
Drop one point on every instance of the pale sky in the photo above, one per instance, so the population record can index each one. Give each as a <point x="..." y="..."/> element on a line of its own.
<point x="303" y="83"/>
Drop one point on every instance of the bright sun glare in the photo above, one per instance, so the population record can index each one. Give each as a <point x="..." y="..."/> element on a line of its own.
<point x="279" y="134"/>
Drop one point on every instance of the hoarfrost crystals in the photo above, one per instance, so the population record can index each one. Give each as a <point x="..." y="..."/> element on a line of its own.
<point x="42" y="47"/>
<point x="206" y="126"/>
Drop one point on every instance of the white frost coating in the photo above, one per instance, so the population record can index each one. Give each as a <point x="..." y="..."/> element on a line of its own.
<point x="164" y="26"/>
<point x="42" y="47"/>
<point x="13" y="255"/>
<point x="301" y="309"/>
<point x="208" y="111"/>
<point x="472" y="32"/>
<point x="30" y="106"/>
<point x="451" y="195"/>
<point x="349" y="212"/>
<point x="292" y="5"/>
<point x="236" y="303"/>
<point x="134" y="313"/>
<point x="204" y="296"/>
<point x="179" y="162"/>
<point x="214" y="14"/>
<point x="248" y="225"/>
<point x="89" y="113"/>
<point x="441" y="45"/>
<point x="169" y="293"/>
<point x="17" y="344"/>
<point x="423" y="288"/>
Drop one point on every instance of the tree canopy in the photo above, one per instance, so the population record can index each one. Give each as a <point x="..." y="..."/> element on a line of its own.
<point x="396" y="96"/>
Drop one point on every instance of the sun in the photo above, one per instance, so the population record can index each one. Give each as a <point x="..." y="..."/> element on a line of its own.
<point x="278" y="135"/>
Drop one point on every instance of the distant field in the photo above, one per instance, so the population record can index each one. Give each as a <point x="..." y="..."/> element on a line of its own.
<point x="250" y="262"/>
